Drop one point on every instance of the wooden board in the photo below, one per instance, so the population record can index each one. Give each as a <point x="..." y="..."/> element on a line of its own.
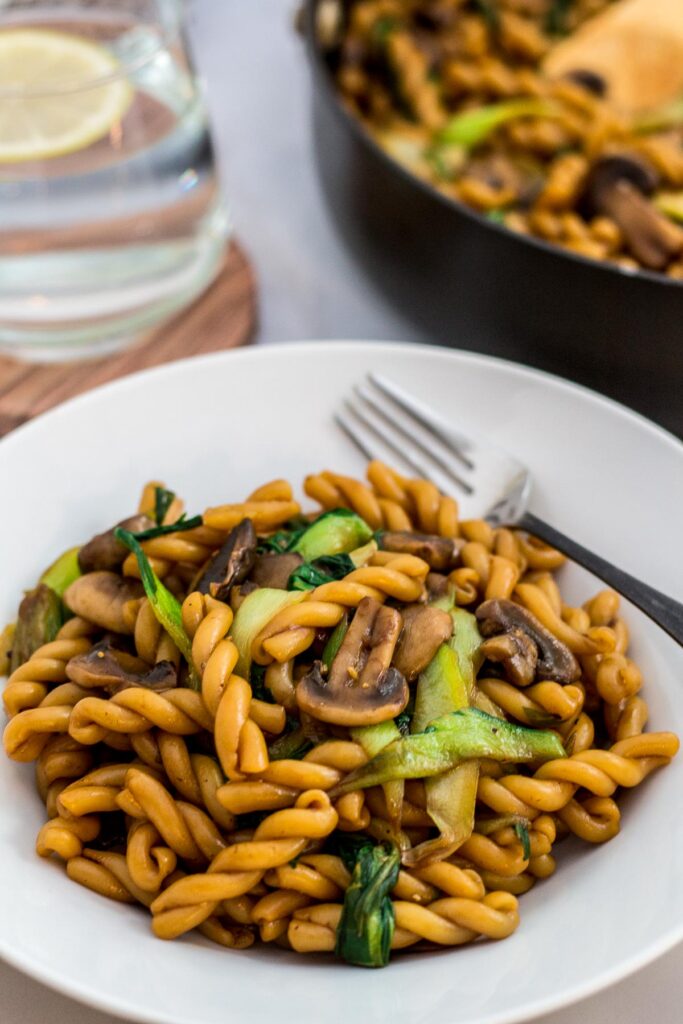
<point x="223" y="317"/>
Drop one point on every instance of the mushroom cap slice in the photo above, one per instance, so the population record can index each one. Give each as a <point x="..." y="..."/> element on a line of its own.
<point x="362" y="687"/>
<point x="101" y="597"/>
<point x="231" y="564"/>
<point x="618" y="186"/>
<point x="439" y="552"/>
<point x="113" y="670"/>
<point x="105" y="550"/>
<point x="555" y="660"/>
<point x="425" y="628"/>
<point x="274" y="570"/>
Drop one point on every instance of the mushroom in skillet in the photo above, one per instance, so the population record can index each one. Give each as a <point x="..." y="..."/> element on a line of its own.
<point x="618" y="186"/>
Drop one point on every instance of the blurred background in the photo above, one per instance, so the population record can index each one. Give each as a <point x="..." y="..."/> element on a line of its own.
<point x="259" y="94"/>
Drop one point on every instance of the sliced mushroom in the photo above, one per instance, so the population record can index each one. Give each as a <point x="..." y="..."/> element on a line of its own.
<point x="105" y="551"/>
<point x="101" y="597"/>
<point x="517" y="652"/>
<point x="437" y="585"/>
<point x="231" y="564"/>
<point x="555" y="660"/>
<point x="362" y="687"/>
<point x="424" y="630"/>
<point x="618" y="186"/>
<point x="114" y="670"/>
<point x="274" y="570"/>
<point x="439" y="552"/>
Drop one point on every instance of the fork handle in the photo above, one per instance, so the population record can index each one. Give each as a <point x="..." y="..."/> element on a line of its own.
<point x="663" y="610"/>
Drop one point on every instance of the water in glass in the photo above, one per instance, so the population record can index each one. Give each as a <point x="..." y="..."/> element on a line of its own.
<point x="112" y="218"/>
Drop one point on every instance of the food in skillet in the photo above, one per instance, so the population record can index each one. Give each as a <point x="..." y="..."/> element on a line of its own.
<point x="455" y="91"/>
<point x="352" y="731"/>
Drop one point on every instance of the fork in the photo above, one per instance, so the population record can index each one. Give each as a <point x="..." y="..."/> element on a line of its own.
<point x="433" y="448"/>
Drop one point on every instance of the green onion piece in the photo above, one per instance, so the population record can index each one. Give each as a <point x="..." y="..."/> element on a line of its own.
<point x="178" y="527"/>
<point x="366" y="926"/>
<point x="165" y="606"/>
<point x="292" y="746"/>
<point x="62" y="572"/>
<point x="522" y="833"/>
<point x="163" y="500"/>
<point x="472" y="127"/>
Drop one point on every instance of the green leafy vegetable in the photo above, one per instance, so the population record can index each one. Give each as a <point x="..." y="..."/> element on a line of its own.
<point x="323" y="570"/>
<point x="403" y="722"/>
<point x="41" y="614"/>
<point x="459" y="736"/>
<point x="165" y="606"/>
<point x="362" y="555"/>
<point x="259" y="690"/>
<point x="335" y="641"/>
<point x="347" y="846"/>
<point x="62" y="572"/>
<point x="366" y="926"/>
<point x="472" y="127"/>
<point x="372" y="739"/>
<point x="443" y="687"/>
<point x="281" y="541"/>
<point x="255" y="612"/>
<point x="178" y="527"/>
<point x="333" y="533"/>
<point x="163" y="500"/>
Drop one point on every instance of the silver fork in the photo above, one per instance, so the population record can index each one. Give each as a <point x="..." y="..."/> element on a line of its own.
<point x="381" y="411"/>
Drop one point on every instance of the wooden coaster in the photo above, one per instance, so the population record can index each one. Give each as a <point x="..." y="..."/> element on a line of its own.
<point x="223" y="317"/>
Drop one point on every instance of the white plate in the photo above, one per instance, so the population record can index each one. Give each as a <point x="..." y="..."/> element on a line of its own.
<point x="216" y="427"/>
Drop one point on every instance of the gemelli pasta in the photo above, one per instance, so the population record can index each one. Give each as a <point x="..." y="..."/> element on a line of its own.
<point x="353" y="731"/>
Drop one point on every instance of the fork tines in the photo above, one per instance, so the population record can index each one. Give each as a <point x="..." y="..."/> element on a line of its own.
<point x="380" y="411"/>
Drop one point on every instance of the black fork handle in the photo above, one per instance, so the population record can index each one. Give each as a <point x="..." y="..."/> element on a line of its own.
<point x="664" y="610"/>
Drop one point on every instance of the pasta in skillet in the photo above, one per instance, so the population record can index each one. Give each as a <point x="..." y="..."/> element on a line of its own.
<point x="351" y="731"/>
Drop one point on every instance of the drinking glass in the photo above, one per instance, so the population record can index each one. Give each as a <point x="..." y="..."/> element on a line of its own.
<point x="111" y="216"/>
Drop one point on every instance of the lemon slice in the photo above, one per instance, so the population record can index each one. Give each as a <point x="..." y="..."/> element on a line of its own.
<point x="50" y="102"/>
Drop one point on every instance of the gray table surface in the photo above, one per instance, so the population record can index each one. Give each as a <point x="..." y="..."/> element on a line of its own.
<point x="309" y="288"/>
